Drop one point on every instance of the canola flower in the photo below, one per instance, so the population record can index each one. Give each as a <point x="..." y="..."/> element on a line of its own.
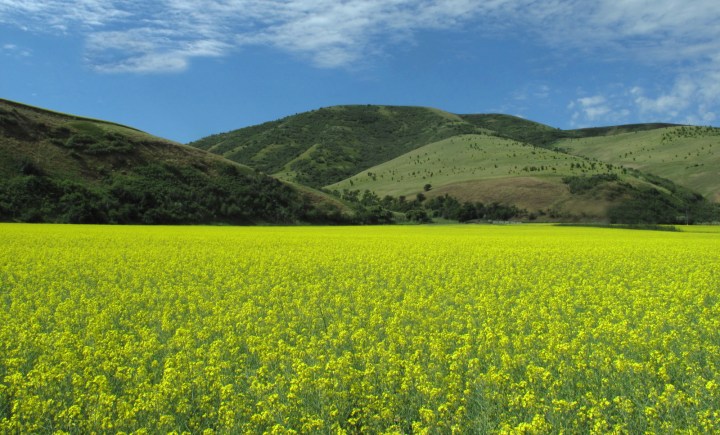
<point x="427" y="329"/>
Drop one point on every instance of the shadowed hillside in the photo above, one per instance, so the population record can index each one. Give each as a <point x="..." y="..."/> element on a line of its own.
<point x="64" y="168"/>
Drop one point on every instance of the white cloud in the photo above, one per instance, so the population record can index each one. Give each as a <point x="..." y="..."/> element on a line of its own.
<point x="691" y="99"/>
<point x="61" y="14"/>
<point x="166" y="35"/>
<point x="670" y="103"/>
<point x="598" y="109"/>
<point x="590" y="108"/>
<point x="649" y="30"/>
<point x="13" y="50"/>
<point x="336" y="34"/>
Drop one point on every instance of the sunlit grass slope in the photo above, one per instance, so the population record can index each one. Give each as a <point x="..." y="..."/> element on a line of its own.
<point x="689" y="156"/>
<point x="488" y="169"/>
<point x="466" y="329"/>
<point x="467" y="158"/>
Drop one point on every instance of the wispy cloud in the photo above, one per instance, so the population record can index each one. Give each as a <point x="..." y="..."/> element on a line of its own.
<point x="166" y="35"/>
<point x="336" y="34"/>
<point x="61" y="15"/>
<point x="692" y="99"/>
<point x="13" y="50"/>
<point x="124" y="35"/>
<point x="596" y="109"/>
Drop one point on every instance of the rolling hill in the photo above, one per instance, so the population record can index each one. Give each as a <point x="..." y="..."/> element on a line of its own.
<point x="687" y="155"/>
<point x="368" y="161"/>
<point x="327" y="145"/>
<point x="489" y="169"/>
<point x="324" y="146"/>
<point x="63" y="168"/>
<point x="488" y="158"/>
<point x="483" y="168"/>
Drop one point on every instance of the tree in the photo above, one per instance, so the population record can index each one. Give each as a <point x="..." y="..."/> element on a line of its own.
<point x="418" y="215"/>
<point x="374" y="215"/>
<point x="467" y="212"/>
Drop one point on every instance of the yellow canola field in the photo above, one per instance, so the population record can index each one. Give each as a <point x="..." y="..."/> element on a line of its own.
<point x="466" y="329"/>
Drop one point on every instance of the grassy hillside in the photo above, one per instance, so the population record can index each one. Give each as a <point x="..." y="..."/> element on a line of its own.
<point x="467" y="158"/>
<point x="330" y="144"/>
<point x="689" y="156"/>
<point x="489" y="169"/>
<point x="63" y="168"/>
<point x="327" y="145"/>
<point x="493" y="158"/>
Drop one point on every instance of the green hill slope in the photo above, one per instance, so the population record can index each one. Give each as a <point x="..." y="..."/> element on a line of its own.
<point x="489" y="169"/>
<point x="466" y="158"/>
<point x="63" y="168"/>
<point x="687" y="155"/>
<point x="327" y="145"/>
<point x="396" y="151"/>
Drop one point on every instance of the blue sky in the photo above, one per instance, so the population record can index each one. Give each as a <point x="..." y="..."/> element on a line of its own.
<point x="184" y="69"/>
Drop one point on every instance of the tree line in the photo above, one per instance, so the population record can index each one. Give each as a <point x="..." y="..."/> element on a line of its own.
<point x="159" y="193"/>
<point x="389" y="209"/>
